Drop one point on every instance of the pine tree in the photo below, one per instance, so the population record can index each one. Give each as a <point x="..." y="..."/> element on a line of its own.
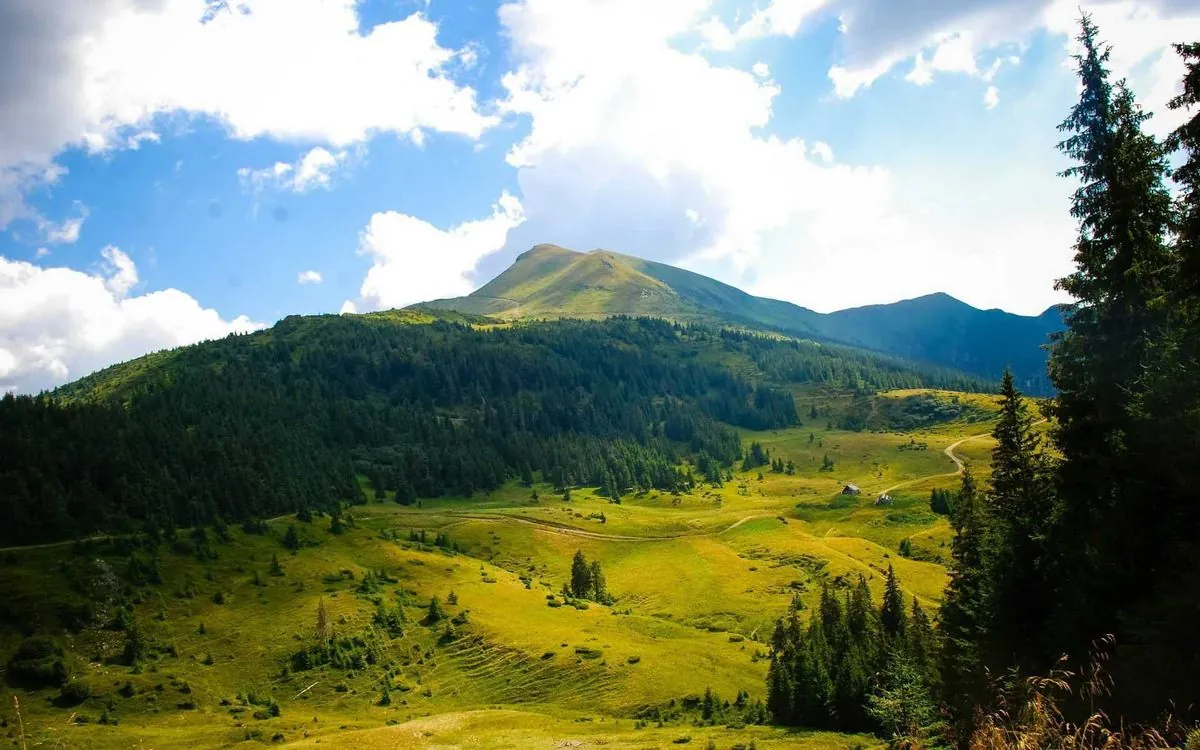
<point x="1186" y="138"/>
<point x="893" y="616"/>
<point x="1019" y="509"/>
<point x="581" y="576"/>
<point x="599" y="586"/>
<point x="434" y="613"/>
<point x="922" y="644"/>
<point x="1118" y="506"/>
<point x="962" y="610"/>
<point x="291" y="539"/>
<point x="276" y="568"/>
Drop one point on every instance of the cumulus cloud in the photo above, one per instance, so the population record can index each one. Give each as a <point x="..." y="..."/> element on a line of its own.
<point x="414" y="261"/>
<point x="58" y="324"/>
<point x="779" y="17"/>
<point x="308" y="277"/>
<point x="991" y="97"/>
<point x="314" y="169"/>
<point x="974" y="37"/>
<point x="662" y="153"/>
<point x="97" y="73"/>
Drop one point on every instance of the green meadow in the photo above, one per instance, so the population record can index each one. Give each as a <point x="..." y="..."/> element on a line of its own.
<point x="697" y="581"/>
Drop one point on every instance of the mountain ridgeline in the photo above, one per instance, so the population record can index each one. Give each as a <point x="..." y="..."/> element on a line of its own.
<point x="419" y="404"/>
<point x="551" y="282"/>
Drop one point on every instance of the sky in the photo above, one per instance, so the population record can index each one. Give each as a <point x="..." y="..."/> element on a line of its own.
<point x="178" y="170"/>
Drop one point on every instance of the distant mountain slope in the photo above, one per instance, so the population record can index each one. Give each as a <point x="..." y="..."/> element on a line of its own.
<point x="423" y="403"/>
<point x="550" y="281"/>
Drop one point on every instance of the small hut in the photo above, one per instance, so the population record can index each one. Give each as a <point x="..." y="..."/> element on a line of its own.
<point x="884" y="499"/>
<point x="851" y="489"/>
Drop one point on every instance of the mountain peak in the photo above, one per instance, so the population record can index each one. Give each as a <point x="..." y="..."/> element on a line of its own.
<point x="544" y="249"/>
<point x="550" y="281"/>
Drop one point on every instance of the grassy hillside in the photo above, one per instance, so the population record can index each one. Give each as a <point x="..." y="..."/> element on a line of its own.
<point x="698" y="579"/>
<point x="549" y="282"/>
<point x="364" y="465"/>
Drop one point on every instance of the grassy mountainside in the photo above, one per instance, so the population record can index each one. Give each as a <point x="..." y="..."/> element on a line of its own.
<point x="698" y="578"/>
<point x="549" y="281"/>
<point x="279" y="420"/>
<point x="363" y="465"/>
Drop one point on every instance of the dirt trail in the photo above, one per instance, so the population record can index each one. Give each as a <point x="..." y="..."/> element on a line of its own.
<point x="958" y="462"/>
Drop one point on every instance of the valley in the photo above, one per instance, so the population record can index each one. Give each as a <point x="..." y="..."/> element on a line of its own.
<point x="698" y="577"/>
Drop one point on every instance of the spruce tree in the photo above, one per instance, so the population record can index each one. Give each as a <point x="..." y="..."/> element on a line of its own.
<point x="1186" y="139"/>
<point x="599" y="585"/>
<point x="581" y="576"/>
<point x="892" y="615"/>
<point x="963" y="611"/>
<point x="435" y="613"/>
<point x="1019" y="510"/>
<point x="291" y="539"/>
<point x="922" y="645"/>
<point x="1110" y="537"/>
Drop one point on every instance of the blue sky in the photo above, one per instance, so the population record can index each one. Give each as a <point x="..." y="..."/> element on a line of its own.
<point x="173" y="170"/>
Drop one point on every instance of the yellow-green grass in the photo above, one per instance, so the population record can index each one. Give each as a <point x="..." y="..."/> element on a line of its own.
<point x="515" y="649"/>
<point x="699" y="580"/>
<point x="495" y="729"/>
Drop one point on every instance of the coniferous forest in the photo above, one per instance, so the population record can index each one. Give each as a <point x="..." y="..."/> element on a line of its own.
<point x="259" y="425"/>
<point x="1077" y="559"/>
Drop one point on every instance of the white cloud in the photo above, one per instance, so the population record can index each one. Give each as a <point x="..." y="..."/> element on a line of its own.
<point x="779" y="17"/>
<point x="991" y="97"/>
<point x="953" y="36"/>
<point x="625" y="152"/>
<point x="848" y="82"/>
<point x="761" y="70"/>
<point x="312" y="170"/>
<point x="58" y="324"/>
<point x="297" y="70"/>
<point x="42" y="252"/>
<point x="67" y="231"/>
<point x="415" y="261"/>
<point x="136" y="140"/>
<point x="308" y="277"/>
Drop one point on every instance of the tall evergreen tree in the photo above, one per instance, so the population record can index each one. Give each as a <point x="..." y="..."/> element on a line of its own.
<point x="963" y="610"/>
<point x="1019" y="506"/>
<point x="1112" y="531"/>
<point x="893" y="616"/>
<point x="581" y="576"/>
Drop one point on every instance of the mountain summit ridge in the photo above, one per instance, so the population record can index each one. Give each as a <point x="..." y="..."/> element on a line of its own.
<point x="550" y="281"/>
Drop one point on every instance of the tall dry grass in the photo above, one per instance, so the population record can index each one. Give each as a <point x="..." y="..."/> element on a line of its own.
<point x="1031" y="715"/>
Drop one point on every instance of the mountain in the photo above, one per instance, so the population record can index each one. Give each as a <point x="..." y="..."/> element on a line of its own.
<point x="552" y="282"/>
<point x="423" y="403"/>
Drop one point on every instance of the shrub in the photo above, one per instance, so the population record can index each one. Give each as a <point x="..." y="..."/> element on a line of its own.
<point x="73" y="693"/>
<point x="38" y="662"/>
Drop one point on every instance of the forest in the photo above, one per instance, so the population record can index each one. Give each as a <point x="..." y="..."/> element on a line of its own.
<point x="263" y="424"/>
<point x="1076" y="560"/>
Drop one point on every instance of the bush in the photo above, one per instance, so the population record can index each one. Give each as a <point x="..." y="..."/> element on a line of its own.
<point x="38" y="662"/>
<point x="72" y="694"/>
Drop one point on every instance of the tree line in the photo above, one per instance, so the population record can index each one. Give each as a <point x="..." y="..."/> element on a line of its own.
<point x="269" y="423"/>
